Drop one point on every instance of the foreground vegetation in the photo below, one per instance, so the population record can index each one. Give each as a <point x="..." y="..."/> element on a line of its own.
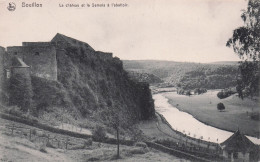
<point x="20" y="145"/>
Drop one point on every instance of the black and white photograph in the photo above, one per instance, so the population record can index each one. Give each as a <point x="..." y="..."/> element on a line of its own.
<point x="129" y="80"/>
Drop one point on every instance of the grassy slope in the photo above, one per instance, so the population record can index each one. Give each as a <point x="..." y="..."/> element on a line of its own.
<point x="204" y="108"/>
<point x="18" y="147"/>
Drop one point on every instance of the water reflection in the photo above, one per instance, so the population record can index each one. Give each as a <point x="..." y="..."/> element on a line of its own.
<point x="187" y="124"/>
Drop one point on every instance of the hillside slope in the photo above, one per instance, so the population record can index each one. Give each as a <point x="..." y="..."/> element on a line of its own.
<point x="144" y="77"/>
<point x="187" y="74"/>
<point x="90" y="82"/>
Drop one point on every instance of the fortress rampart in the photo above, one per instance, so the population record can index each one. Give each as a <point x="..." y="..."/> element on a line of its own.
<point x="41" y="59"/>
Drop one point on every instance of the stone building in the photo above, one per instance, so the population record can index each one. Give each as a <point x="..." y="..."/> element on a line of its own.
<point x="2" y="53"/>
<point x="40" y="57"/>
<point x="238" y="148"/>
<point x="62" y="41"/>
<point x="19" y="67"/>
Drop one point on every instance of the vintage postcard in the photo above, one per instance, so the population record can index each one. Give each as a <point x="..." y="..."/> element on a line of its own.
<point x="129" y="80"/>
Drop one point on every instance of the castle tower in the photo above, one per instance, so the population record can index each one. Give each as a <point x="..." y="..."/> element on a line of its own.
<point x="40" y="56"/>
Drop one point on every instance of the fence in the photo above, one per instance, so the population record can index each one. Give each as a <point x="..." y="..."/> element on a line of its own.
<point x="55" y="141"/>
<point x="49" y="139"/>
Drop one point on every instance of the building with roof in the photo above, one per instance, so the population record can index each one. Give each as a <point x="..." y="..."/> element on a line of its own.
<point x="238" y="148"/>
<point x="63" y="41"/>
<point x="41" y="57"/>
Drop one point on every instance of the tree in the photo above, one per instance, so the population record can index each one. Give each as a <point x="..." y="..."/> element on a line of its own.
<point x="116" y="117"/>
<point x="20" y="90"/>
<point x="188" y="93"/>
<point x="220" y="106"/>
<point x="246" y="43"/>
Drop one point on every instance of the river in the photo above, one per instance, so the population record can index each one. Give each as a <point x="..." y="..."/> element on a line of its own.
<point x="187" y="124"/>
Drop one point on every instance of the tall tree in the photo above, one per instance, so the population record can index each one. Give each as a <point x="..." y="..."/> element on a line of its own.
<point x="246" y="43"/>
<point x="117" y="118"/>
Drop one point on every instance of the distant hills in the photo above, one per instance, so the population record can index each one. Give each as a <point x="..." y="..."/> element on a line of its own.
<point x="225" y="62"/>
<point x="144" y="77"/>
<point x="188" y="75"/>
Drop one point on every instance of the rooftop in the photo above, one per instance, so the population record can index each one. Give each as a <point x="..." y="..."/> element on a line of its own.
<point x="17" y="62"/>
<point x="238" y="142"/>
<point x="72" y="41"/>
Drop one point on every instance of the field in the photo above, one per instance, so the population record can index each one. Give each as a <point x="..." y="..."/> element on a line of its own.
<point x="20" y="145"/>
<point x="204" y="108"/>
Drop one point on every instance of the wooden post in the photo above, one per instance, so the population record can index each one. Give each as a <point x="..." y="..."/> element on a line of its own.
<point x="48" y="138"/>
<point x="30" y="134"/>
<point x="66" y="144"/>
<point x="58" y="144"/>
<point x="12" y="129"/>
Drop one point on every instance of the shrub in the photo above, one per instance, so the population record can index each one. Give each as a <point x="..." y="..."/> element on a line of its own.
<point x="137" y="151"/>
<point x="43" y="148"/>
<point x="99" y="134"/>
<point x="34" y="131"/>
<point x="141" y="144"/>
<point x="88" y="142"/>
<point x="14" y="110"/>
<point x="221" y="95"/>
<point x="225" y="93"/>
<point x="188" y="93"/>
<point x="200" y="90"/>
<point x="255" y="116"/>
<point x="220" y="106"/>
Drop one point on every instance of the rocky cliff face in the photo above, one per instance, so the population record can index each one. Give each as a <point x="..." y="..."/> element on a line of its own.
<point x="88" y="81"/>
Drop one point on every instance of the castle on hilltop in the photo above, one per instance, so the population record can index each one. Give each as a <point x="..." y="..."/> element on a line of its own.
<point x="39" y="58"/>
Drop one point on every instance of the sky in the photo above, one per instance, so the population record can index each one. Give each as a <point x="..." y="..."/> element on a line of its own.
<point x="176" y="30"/>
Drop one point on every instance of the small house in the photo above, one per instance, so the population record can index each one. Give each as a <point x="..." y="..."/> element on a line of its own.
<point x="238" y="148"/>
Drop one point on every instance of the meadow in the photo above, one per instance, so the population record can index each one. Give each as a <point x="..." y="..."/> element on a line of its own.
<point x="204" y="108"/>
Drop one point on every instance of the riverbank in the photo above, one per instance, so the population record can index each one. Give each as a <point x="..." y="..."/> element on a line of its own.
<point x="204" y="108"/>
<point x="159" y="129"/>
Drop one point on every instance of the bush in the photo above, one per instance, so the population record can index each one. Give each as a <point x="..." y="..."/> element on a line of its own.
<point x="88" y="142"/>
<point x="138" y="151"/>
<point x="43" y="148"/>
<point x="225" y="93"/>
<point x="99" y="134"/>
<point x="188" y="93"/>
<point x="141" y="144"/>
<point x="255" y="116"/>
<point x="34" y="132"/>
<point x="200" y="90"/>
<point x="220" y="106"/>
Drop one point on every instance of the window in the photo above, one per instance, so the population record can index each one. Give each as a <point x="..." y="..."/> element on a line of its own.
<point x="15" y="53"/>
<point x="36" y="53"/>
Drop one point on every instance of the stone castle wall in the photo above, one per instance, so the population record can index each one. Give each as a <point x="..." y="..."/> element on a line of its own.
<point x="38" y="43"/>
<point x="42" y="56"/>
<point x="41" y="59"/>
<point x="2" y="53"/>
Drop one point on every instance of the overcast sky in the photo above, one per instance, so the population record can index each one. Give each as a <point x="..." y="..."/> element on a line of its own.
<point x="177" y="30"/>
